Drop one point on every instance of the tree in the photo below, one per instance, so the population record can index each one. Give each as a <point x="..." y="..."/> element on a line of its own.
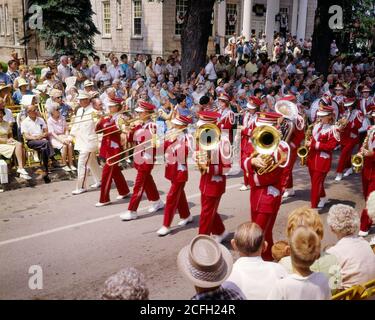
<point x="195" y="34"/>
<point x="67" y="27"/>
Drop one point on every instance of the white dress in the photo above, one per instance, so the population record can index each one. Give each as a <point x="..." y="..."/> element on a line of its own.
<point x="6" y="149"/>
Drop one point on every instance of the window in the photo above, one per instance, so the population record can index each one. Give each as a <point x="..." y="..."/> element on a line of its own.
<point x="284" y="10"/>
<point x="181" y="8"/>
<point x="6" y="22"/>
<point x="231" y="21"/>
<point x="1" y="21"/>
<point x="16" y="32"/>
<point x="137" y="17"/>
<point x="106" y="18"/>
<point x="119" y="14"/>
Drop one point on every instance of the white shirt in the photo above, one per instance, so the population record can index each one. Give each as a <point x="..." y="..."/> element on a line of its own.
<point x="8" y="115"/>
<point x="295" y="287"/>
<point x="256" y="277"/>
<point x="64" y="72"/>
<point x="115" y="72"/>
<point x="33" y="128"/>
<point x="157" y="69"/>
<point x="141" y="68"/>
<point x="210" y="71"/>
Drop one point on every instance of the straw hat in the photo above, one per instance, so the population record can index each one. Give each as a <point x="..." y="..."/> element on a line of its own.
<point x="83" y="95"/>
<point x="22" y="82"/>
<point x="204" y="262"/>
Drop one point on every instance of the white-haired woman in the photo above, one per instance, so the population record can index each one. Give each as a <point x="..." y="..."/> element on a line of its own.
<point x="355" y="257"/>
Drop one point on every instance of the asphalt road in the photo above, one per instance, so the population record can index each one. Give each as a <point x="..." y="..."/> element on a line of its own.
<point x="78" y="245"/>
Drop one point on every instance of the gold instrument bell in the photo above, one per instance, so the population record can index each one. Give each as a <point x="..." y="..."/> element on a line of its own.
<point x="303" y="151"/>
<point x="357" y="163"/>
<point x="266" y="140"/>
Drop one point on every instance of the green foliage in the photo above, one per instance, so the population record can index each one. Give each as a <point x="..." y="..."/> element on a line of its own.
<point x="4" y="66"/>
<point x="68" y="27"/>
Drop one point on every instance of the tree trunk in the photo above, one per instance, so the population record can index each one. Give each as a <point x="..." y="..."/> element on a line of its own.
<point x="322" y="36"/>
<point x="195" y="34"/>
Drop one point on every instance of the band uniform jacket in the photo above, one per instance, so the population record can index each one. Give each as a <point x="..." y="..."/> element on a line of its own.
<point x="324" y="140"/>
<point x="350" y="134"/>
<point x="86" y="139"/>
<point x="369" y="162"/>
<point x="111" y="142"/>
<point x="226" y="122"/>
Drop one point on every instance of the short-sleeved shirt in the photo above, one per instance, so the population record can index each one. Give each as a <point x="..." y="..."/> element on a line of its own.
<point x="33" y="128"/>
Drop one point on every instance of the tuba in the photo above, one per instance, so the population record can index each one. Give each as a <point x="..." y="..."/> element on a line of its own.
<point x="207" y="138"/>
<point x="266" y="140"/>
<point x="289" y="110"/>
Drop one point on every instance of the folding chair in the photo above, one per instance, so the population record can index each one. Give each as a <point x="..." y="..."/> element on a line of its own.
<point x="369" y="290"/>
<point x="353" y="293"/>
<point x="32" y="156"/>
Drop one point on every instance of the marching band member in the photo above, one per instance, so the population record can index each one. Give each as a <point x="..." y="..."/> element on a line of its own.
<point x="110" y="146"/>
<point x="176" y="152"/>
<point x="144" y="163"/>
<point x="339" y="97"/>
<point x="227" y="117"/>
<point x="325" y="137"/>
<point x="368" y="173"/>
<point x="86" y="142"/>
<point x="365" y="102"/>
<point x="349" y="136"/>
<point x="213" y="181"/>
<point x="248" y="124"/>
<point x="292" y="129"/>
<point x="265" y="189"/>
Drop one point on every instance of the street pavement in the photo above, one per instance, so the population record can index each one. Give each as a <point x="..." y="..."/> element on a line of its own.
<point x="78" y="246"/>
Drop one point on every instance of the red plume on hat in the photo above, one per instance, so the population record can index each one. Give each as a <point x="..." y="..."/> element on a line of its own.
<point x="255" y="100"/>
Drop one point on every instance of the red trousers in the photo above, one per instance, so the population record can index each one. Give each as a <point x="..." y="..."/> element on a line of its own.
<point x="317" y="187"/>
<point x="143" y="182"/>
<point x="110" y="174"/>
<point x="246" y="181"/>
<point x="266" y="221"/>
<point x="345" y="157"/>
<point x="287" y="176"/>
<point x="210" y="221"/>
<point x="368" y="186"/>
<point x="176" y="199"/>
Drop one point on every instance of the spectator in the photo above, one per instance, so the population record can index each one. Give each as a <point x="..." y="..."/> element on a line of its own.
<point x="95" y="68"/>
<point x="303" y="284"/>
<point x="86" y="69"/>
<point x="207" y="264"/>
<point x="21" y="91"/>
<point x="63" y="69"/>
<point x="12" y="70"/>
<point x="103" y="76"/>
<point x="140" y="66"/>
<point x="115" y="70"/>
<point x="354" y="254"/>
<point x="131" y="72"/>
<point x="251" y="274"/>
<point x="210" y="69"/>
<point x="127" y="284"/>
<point x="4" y="77"/>
<point x="59" y="136"/>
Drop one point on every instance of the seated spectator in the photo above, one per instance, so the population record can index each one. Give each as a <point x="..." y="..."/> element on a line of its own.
<point x="303" y="284"/>
<point x="310" y="218"/>
<point x="279" y="250"/>
<point x="35" y="132"/>
<point x="103" y="76"/>
<point x="56" y="96"/>
<point x="354" y="254"/>
<point x="8" y="115"/>
<point x="127" y="284"/>
<point x="251" y="274"/>
<point x="10" y="147"/>
<point x="207" y="264"/>
<point x="59" y="136"/>
<point x="21" y="91"/>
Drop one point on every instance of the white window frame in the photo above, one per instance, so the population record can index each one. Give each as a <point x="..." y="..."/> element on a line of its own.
<point x="137" y="35"/>
<point x="16" y="32"/>
<point x="6" y="20"/>
<point x="2" y="33"/>
<point x="180" y="5"/>
<point x="106" y="20"/>
<point x="119" y="14"/>
<point x="235" y="6"/>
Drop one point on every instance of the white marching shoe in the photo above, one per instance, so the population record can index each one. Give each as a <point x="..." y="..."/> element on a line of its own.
<point x="102" y="204"/>
<point x="363" y="233"/>
<point x="322" y="202"/>
<point x="96" y="185"/>
<point x="163" y="231"/>
<point x="158" y="205"/>
<point x="78" y="191"/>
<point x="289" y="193"/>
<point x="348" y="172"/>
<point x="184" y="222"/>
<point x="120" y="197"/>
<point x="220" y="238"/>
<point x="129" y="215"/>
<point x="338" y="177"/>
<point x="244" y="188"/>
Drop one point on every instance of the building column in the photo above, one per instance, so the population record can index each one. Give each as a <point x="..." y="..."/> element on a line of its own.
<point x="273" y="8"/>
<point x="246" y="18"/>
<point x="293" y="30"/>
<point x="302" y="15"/>
<point x="221" y="21"/>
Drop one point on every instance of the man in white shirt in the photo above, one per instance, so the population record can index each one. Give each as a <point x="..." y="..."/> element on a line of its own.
<point x="115" y="70"/>
<point x="63" y="69"/>
<point x="158" y="67"/>
<point x="140" y="66"/>
<point x="34" y="130"/>
<point x="86" y="143"/>
<point x="210" y="69"/>
<point x="251" y="274"/>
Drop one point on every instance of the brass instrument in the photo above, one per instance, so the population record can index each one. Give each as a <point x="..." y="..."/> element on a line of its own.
<point x="303" y="151"/>
<point x="266" y="140"/>
<point x="94" y="116"/>
<point x="122" y="124"/>
<point x="358" y="159"/>
<point x="207" y="138"/>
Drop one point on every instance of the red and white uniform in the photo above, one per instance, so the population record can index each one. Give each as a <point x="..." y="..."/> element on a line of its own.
<point x="265" y="195"/>
<point x="226" y="122"/>
<point x="368" y="178"/>
<point x="364" y="105"/>
<point x="349" y="138"/>
<point x="111" y="146"/>
<point x="212" y="183"/>
<point x="249" y="125"/>
<point x="325" y="138"/>
<point x="144" y="163"/>
<point x="176" y="171"/>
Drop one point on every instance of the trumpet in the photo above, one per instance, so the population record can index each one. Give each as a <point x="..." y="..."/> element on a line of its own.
<point x="266" y="140"/>
<point x="358" y="159"/>
<point x="304" y="151"/>
<point x="207" y="138"/>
